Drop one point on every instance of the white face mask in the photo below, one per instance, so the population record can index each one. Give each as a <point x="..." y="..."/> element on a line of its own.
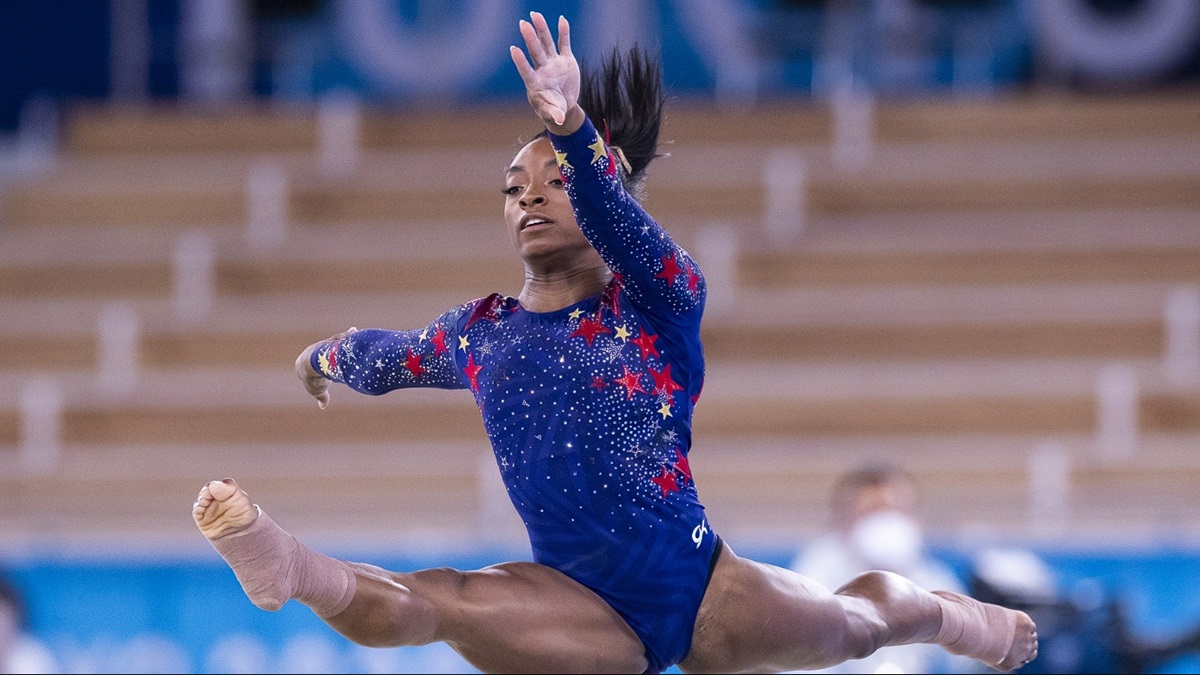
<point x="888" y="540"/>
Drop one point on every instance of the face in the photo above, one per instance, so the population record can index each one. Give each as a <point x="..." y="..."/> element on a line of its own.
<point x="892" y="496"/>
<point x="889" y="496"/>
<point x="537" y="211"/>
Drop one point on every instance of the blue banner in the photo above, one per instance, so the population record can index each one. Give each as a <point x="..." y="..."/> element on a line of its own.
<point x="189" y="616"/>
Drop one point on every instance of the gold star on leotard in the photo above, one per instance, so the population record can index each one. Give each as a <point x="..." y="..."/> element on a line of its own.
<point x="323" y="362"/>
<point x="598" y="149"/>
<point x="561" y="158"/>
<point x="622" y="333"/>
<point x="576" y="314"/>
<point x="665" y="411"/>
<point x="462" y="342"/>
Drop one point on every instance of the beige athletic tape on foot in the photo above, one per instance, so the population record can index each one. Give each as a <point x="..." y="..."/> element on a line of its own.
<point x="274" y="567"/>
<point x="972" y="628"/>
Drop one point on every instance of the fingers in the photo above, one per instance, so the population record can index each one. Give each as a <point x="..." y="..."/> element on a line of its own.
<point x="533" y="43"/>
<point x="564" y="35"/>
<point x="523" y="68"/>
<point x="543" y="33"/>
<point x="539" y="40"/>
<point x="318" y="388"/>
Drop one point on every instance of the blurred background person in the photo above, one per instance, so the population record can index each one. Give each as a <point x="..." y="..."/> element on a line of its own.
<point x="20" y="651"/>
<point x="875" y="526"/>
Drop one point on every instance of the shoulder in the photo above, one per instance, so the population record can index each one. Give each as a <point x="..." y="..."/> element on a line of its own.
<point x="490" y="308"/>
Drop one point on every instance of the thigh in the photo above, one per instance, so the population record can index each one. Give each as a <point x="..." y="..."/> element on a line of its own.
<point x="762" y="618"/>
<point x="525" y="617"/>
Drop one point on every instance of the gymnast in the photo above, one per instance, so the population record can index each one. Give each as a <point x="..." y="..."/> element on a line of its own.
<point x="586" y="382"/>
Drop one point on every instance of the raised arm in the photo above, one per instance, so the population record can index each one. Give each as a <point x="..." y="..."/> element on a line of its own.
<point x="658" y="275"/>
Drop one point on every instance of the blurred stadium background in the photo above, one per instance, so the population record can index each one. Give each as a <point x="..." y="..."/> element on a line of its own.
<point x="959" y="235"/>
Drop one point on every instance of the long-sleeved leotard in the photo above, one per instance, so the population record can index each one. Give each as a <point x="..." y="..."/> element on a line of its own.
<point x="588" y="408"/>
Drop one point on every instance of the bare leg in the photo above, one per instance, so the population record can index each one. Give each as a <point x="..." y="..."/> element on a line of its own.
<point x="514" y="617"/>
<point x="758" y="617"/>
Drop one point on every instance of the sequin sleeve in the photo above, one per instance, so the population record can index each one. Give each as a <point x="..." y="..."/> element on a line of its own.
<point x="656" y="273"/>
<point x="376" y="361"/>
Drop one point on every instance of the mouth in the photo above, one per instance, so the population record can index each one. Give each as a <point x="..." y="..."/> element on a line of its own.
<point x="533" y="221"/>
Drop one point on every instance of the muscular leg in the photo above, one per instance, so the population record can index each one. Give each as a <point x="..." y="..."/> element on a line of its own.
<point x="514" y="617"/>
<point x="758" y="617"/>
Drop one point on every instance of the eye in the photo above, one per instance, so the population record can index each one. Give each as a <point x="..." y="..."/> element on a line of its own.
<point x="556" y="182"/>
<point x="511" y="190"/>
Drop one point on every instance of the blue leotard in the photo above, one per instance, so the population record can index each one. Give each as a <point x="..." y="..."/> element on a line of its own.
<point x="588" y="408"/>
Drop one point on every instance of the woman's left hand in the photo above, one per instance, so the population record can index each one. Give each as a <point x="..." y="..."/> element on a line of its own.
<point x="552" y="81"/>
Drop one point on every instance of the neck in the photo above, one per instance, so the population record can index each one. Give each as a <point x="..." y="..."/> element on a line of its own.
<point x="551" y="291"/>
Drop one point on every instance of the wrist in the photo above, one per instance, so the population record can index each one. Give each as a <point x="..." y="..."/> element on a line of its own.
<point x="571" y="122"/>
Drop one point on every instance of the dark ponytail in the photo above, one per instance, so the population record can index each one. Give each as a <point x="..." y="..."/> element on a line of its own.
<point x="624" y="100"/>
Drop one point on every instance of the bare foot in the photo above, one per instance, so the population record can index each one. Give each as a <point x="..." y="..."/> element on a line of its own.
<point x="1025" y="644"/>
<point x="223" y="508"/>
<point x="1003" y="638"/>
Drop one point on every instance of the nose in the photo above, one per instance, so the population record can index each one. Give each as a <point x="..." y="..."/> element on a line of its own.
<point x="531" y="198"/>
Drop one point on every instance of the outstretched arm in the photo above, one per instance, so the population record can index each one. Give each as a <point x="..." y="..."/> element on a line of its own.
<point x="658" y="275"/>
<point x="376" y="361"/>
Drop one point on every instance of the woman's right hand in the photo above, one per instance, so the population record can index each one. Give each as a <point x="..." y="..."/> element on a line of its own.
<point x="552" y="80"/>
<point x="314" y="382"/>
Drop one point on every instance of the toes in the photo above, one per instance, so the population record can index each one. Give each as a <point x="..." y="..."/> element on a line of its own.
<point x="222" y="489"/>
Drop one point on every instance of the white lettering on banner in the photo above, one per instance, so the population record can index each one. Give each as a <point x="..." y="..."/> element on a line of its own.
<point x="450" y="58"/>
<point x="698" y="533"/>
<point x="1149" y="39"/>
<point x="443" y="59"/>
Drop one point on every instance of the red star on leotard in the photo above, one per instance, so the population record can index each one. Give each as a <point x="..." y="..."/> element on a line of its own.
<point x="333" y="349"/>
<point x="486" y="308"/>
<point x="693" y="281"/>
<point x="667" y="482"/>
<point x="439" y="342"/>
<point x="413" y="363"/>
<point x="589" y="329"/>
<point x="598" y="383"/>
<point x="472" y="371"/>
<point x="663" y="384"/>
<point x="671" y="269"/>
<point x="608" y="299"/>
<point x="645" y="342"/>
<point x="631" y="381"/>
<point x="682" y="466"/>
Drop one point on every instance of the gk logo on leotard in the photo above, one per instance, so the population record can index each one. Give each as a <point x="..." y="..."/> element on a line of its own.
<point x="698" y="533"/>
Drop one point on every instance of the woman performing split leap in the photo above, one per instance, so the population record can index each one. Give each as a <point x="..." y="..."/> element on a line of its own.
<point x="586" y="382"/>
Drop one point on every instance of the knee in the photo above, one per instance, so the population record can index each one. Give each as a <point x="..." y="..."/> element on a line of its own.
<point x="867" y="599"/>
<point x="879" y="587"/>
